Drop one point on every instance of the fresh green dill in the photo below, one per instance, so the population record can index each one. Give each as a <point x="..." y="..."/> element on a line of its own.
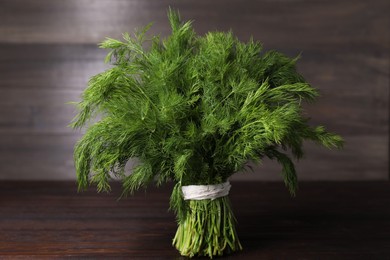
<point x="193" y="110"/>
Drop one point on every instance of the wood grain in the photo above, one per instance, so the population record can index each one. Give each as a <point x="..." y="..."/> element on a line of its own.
<point x="48" y="52"/>
<point x="298" y="23"/>
<point x="50" y="220"/>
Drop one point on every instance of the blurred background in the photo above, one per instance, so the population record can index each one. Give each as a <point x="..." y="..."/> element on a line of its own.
<point x="48" y="51"/>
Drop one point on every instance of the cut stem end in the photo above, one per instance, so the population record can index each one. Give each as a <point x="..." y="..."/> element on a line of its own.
<point x="208" y="229"/>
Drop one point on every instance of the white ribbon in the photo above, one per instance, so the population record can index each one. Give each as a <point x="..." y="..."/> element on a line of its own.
<point x="203" y="192"/>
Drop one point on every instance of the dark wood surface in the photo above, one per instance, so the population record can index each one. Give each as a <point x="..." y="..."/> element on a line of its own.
<point x="327" y="220"/>
<point x="48" y="52"/>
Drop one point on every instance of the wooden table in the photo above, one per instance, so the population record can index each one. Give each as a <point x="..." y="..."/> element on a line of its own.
<point x="327" y="220"/>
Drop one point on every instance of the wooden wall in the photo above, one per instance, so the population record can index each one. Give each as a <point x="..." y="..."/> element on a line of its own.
<point x="48" y="52"/>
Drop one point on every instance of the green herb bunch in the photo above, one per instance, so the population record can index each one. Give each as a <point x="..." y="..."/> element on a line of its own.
<point x="193" y="110"/>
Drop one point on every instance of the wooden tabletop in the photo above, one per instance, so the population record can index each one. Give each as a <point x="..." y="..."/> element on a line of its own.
<point x="327" y="220"/>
